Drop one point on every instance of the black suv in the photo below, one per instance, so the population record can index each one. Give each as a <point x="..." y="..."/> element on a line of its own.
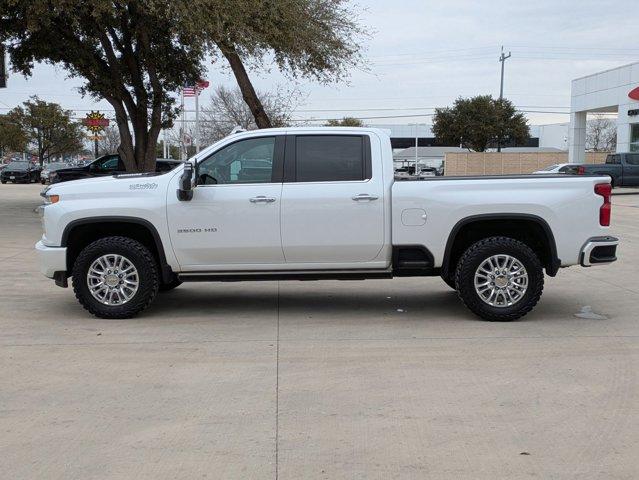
<point x="20" y="172"/>
<point x="103" y="166"/>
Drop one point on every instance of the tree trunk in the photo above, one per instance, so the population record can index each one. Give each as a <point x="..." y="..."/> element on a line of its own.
<point x="125" y="149"/>
<point x="246" y="87"/>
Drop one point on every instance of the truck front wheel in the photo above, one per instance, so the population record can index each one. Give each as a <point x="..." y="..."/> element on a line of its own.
<point x="115" y="277"/>
<point x="499" y="279"/>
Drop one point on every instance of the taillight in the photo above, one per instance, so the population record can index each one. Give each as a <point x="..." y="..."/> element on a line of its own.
<point x="604" y="189"/>
<point x="581" y="170"/>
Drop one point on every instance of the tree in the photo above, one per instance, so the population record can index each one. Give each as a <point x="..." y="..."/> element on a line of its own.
<point x="109" y="140"/>
<point x="137" y="54"/>
<point x="228" y="110"/>
<point x="601" y="134"/>
<point x="345" y="122"/>
<point x="48" y="129"/>
<point x="12" y="136"/>
<point x="480" y="122"/>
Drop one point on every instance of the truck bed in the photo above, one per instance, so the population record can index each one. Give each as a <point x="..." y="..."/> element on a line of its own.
<point x="423" y="210"/>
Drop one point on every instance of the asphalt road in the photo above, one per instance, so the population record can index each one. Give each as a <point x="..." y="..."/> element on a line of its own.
<point x="331" y="380"/>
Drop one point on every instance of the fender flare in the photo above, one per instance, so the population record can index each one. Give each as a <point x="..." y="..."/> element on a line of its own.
<point x="165" y="269"/>
<point x="551" y="268"/>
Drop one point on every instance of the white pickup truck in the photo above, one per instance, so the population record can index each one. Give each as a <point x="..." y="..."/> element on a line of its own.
<point x="319" y="203"/>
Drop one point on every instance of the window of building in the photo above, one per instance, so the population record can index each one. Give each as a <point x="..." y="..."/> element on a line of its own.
<point x="329" y="158"/>
<point x="634" y="137"/>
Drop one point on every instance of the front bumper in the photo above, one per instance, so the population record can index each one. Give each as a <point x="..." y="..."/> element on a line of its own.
<point x="52" y="259"/>
<point x="599" y="251"/>
<point x="15" y="177"/>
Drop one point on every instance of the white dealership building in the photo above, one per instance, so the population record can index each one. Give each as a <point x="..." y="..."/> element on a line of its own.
<point x="613" y="91"/>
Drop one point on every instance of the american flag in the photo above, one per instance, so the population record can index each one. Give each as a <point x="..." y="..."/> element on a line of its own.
<point x="193" y="90"/>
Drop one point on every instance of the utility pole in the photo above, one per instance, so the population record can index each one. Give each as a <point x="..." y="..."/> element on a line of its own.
<point x="502" y="59"/>
<point x="3" y="68"/>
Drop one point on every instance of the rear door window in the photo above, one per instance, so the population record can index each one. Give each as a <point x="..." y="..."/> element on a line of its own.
<point x="331" y="158"/>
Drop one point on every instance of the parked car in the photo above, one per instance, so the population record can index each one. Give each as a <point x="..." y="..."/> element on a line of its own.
<point x="106" y="165"/>
<point x="328" y="208"/>
<point x="622" y="168"/>
<point x="558" y="168"/>
<point x="20" y="172"/>
<point x="51" y="167"/>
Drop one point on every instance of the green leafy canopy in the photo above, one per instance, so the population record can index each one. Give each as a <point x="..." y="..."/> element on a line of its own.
<point x="137" y="54"/>
<point x="480" y="122"/>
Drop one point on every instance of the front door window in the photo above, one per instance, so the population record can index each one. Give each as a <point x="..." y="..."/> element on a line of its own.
<point x="246" y="161"/>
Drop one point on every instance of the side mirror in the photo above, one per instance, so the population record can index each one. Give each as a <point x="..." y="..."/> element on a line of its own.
<point x="185" y="187"/>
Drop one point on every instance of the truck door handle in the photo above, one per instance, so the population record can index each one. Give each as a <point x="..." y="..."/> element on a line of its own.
<point x="364" y="196"/>
<point x="261" y="199"/>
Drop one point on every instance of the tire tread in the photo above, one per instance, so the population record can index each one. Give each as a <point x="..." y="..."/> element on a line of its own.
<point x="130" y="309"/>
<point x="474" y="303"/>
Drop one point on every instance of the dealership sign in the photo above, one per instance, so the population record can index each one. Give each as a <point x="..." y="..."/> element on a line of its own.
<point x="634" y="94"/>
<point x="95" y="122"/>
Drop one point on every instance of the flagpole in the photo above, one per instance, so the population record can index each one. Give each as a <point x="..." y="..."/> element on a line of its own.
<point x="182" y="146"/>
<point x="165" y="149"/>
<point x="197" y="119"/>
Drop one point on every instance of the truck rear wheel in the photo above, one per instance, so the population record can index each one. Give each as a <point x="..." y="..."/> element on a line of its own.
<point x="499" y="279"/>
<point x="115" y="277"/>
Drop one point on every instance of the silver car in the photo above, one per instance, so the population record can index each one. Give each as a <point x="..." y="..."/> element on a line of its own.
<point x="52" y="167"/>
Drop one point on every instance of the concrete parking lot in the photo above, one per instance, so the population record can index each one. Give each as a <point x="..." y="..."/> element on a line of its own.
<point x="318" y="380"/>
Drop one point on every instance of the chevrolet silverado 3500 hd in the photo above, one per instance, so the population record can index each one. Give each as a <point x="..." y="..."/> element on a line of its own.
<point x="319" y="203"/>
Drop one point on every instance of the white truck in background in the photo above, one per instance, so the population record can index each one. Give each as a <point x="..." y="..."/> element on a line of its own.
<point x="319" y="203"/>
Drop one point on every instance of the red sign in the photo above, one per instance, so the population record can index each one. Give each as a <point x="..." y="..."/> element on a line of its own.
<point x="634" y="94"/>
<point x="96" y="122"/>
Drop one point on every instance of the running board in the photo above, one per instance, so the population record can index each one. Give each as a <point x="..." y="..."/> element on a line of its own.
<point x="288" y="275"/>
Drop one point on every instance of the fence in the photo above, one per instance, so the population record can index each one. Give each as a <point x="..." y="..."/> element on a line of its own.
<point x="493" y="163"/>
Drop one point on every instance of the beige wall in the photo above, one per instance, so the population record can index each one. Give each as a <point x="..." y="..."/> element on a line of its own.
<point x="493" y="163"/>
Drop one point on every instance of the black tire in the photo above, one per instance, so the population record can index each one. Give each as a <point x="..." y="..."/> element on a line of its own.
<point x="450" y="281"/>
<point x="165" y="287"/>
<point x="481" y="251"/>
<point x="3" y="181"/>
<point x="143" y="261"/>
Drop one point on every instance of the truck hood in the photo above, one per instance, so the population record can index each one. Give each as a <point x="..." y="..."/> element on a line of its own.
<point x="99" y="186"/>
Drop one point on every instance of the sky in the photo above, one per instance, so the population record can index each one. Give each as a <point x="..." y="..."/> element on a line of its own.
<point x="424" y="54"/>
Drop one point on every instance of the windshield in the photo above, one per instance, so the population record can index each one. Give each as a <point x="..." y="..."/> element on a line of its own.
<point x="107" y="164"/>
<point x="548" y="169"/>
<point x="55" y="166"/>
<point x="18" y="166"/>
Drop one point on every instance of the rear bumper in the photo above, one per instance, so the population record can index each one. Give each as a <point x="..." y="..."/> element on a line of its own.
<point x="51" y="259"/>
<point x="599" y="251"/>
